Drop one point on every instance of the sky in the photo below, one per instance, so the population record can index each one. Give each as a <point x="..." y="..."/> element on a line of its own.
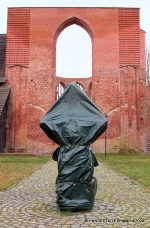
<point x="82" y="38"/>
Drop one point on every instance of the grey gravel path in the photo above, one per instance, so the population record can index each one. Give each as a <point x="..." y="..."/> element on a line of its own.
<point x="119" y="202"/>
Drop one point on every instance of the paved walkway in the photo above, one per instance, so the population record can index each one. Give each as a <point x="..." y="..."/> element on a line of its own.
<point x="119" y="202"/>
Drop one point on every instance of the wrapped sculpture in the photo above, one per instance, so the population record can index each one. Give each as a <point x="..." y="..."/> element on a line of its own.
<point x="74" y="122"/>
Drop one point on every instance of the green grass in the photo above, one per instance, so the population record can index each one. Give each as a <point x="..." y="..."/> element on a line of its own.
<point x="137" y="167"/>
<point x="15" y="168"/>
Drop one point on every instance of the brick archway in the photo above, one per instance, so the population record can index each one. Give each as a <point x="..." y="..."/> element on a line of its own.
<point x="74" y="53"/>
<point x="117" y="46"/>
<point x="71" y="21"/>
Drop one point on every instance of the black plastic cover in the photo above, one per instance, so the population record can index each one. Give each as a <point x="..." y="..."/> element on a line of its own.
<point x="74" y="122"/>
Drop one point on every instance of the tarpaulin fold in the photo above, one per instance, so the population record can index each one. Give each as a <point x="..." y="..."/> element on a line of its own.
<point x="74" y="122"/>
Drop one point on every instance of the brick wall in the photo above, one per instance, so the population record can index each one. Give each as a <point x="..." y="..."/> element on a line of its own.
<point x="115" y="87"/>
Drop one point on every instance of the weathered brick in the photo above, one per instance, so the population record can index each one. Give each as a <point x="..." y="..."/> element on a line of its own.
<point x="117" y="85"/>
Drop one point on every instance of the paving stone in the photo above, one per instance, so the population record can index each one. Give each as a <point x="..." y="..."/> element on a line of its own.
<point x="32" y="202"/>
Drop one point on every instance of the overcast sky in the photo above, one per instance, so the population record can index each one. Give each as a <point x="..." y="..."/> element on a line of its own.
<point x="144" y="6"/>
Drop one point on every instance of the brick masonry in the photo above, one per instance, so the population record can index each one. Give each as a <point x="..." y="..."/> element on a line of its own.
<point x="117" y="86"/>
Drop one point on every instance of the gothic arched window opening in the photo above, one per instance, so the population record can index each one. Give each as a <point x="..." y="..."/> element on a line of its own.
<point x="74" y="53"/>
<point x="59" y="90"/>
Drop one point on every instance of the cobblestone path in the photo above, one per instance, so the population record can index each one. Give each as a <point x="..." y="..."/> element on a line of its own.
<point x="119" y="202"/>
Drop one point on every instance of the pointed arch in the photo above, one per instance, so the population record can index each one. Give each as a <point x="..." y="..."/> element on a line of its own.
<point x="71" y="21"/>
<point x="59" y="89"/>
<point x="89" y="90"/>
<point x="77" y="62"/>
<point x="80" y="86"/>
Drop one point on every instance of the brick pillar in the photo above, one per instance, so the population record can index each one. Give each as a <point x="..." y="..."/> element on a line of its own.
<point x="17" y="109"/>
<point x="129" y="108"/>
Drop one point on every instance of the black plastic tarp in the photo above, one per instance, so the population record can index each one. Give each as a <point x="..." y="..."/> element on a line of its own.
<point x="74" y="122"/>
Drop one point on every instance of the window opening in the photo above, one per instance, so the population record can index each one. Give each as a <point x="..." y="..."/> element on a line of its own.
<point x="59" y="90"/>
<point x="80" y="86"/>
<point x="74" y="53"/>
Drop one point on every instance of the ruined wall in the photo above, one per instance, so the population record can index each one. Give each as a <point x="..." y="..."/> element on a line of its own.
<point x="117" y="43"/>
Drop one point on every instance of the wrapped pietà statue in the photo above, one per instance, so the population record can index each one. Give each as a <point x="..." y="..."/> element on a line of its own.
<point x="74" y="122"/>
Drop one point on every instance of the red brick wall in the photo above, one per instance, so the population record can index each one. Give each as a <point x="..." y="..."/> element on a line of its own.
<point x="17" y="78"/>
<point x="18" y="25"/>
<point x="117" y="43"/>
<point x="129" y="36"/>
<point x="142" y="49"/>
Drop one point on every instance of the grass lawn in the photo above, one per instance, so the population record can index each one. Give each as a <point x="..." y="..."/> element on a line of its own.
<point x="15" y="168"/>
<point x="137" y="167"/>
